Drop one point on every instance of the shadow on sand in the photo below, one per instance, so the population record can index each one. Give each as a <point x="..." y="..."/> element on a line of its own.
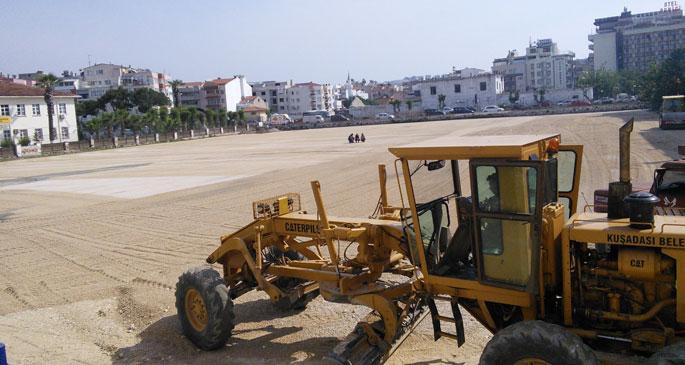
<point x="162" y="342"/>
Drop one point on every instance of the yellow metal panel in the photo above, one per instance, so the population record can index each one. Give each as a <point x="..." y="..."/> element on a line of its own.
<point x="679" y="256"/>
<point x="668" y="232"/>
<point x="465" y="148"/>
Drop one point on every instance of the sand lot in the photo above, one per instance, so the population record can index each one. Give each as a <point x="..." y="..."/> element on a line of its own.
<point x="91" y="244"/>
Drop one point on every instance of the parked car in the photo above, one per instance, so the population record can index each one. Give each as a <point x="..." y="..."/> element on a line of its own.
<point x="385" y="116"/>
<point x="564" y="103"/>
<point x="581" y="102"/>
<point x="605" y="100"/>
<point x="339" y="118"/>
<point x="280" y="119"/>
<point x="461" y="110"/>
<point x="431" y="112"/>
<point x="447" y="110"/>
<point x="492" y="109"/>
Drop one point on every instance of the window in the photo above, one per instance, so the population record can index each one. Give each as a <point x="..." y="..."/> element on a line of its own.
<point x="273" y="92"/>
<point x="483" y="86"/>
<point x="21" y="110"/>
<point x="273" y="101"/>
<point x="6" y="134"/>
<point x="21" y="133"/>
<point x="434" y="90"/>
<point x="4" y="110"/>
<point x="63" y="108"/>
<point x="263" y="92"/>
<point x="38" y="134"/>
<point x="36" y="109"/>
<point x="65" y="133"/>
<point x="457" y="88"/>
<point x="108" y="82"/>
<point x="100" y="72"/>
<point x="280" y="100"/>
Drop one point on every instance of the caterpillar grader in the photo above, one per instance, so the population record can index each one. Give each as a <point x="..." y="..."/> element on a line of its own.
<point x="504" y="244"/>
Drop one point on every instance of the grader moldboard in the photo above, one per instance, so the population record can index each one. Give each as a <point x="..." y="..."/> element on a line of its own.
<point x="553" y="287"/>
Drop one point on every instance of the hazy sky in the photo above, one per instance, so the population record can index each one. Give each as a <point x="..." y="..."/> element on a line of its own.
<point x="301" y="40"/>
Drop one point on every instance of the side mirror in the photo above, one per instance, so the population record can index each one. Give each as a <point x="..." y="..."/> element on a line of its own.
<point x="436" y="165"/>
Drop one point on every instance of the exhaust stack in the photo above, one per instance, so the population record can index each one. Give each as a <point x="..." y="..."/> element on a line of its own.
<point x="618" y="190"/>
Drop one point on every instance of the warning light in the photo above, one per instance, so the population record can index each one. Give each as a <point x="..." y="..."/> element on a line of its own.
<point x="553" y="146"/>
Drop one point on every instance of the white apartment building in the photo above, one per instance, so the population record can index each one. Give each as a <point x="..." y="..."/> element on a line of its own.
<point x="542" y="67"/>
<point x="309" y="96"/>
<point x="215" y="94"/>
<point x="97" y="79"/>
<point x="24" y="113"/>
<point x="476" y="90"/>
<point x="636" y="41"/>
<point x="274" y="93"/>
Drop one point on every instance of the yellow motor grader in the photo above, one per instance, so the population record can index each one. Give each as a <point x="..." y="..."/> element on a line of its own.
<point x="553" y="286"/>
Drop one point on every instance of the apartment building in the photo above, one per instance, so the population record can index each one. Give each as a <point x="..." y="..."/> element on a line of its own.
<point x="471" y="89"/>
<point x="542" y="67"/>
<point x="217" y="94"/>
<point x="96" y="80"/>
<point x="24" y="113"/>
<point x="309" y="96"/>
<point x="274" y="93"/>
<point x="634" y="42"/>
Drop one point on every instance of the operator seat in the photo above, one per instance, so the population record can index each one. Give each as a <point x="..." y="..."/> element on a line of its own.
<point x="457" y="254"/>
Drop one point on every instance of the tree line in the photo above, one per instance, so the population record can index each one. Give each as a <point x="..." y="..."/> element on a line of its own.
<point x="148" y="111"/>
<point x="665" y="78"/>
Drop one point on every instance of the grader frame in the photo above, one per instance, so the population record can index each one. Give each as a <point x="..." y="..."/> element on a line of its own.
<point x="390" y="271"/>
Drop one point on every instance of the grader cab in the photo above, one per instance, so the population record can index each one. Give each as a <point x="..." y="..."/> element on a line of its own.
<point x="504" y="244"/>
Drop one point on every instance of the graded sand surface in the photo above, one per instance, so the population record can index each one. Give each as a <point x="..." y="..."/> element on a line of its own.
<point x="91" y="244"/>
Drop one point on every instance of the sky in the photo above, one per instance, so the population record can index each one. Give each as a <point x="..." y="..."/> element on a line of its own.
<point x="299" y="40"/>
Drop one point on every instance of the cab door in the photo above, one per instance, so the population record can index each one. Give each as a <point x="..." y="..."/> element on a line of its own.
<point x="569" y="159"/>
<point x="507" y="205"/>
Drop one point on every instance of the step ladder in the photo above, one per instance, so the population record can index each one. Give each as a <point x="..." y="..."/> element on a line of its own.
<point x="456" y="319"/>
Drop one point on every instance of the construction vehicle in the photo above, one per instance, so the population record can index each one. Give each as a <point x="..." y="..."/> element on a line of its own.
<point x="505" y="244"/>
<point x="668" y="185"/>
<point x="672" y="113"/>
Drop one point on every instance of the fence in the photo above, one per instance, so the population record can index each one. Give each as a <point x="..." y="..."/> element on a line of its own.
<point x="50" y="149"/>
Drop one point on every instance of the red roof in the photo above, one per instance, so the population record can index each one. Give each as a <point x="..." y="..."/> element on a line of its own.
<point x="8" y="88"/>
<point x="219" y="81"/>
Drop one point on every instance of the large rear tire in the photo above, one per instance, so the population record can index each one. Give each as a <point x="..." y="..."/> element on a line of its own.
<point x="669" y="355"/>
<point x="204" y="308"/>
<point x="536" y="342"/>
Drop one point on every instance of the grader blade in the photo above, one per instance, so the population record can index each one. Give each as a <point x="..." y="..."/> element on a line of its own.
<point x="365" y="345"/>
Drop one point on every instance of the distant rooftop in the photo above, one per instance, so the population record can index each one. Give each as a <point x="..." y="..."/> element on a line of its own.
<point x="9" y="88"/>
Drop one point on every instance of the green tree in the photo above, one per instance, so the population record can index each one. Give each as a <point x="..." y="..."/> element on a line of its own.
<point x="241" y="118"/>
<point x="87" y="107"/>
<point x="409" y="104"/>
<point x="174" y="121"/>
<point x="668" y="78"/>
<point x="146" y="98"/>
<point x="175" y="85"/>
<point x="192" y="117"/>
<point x="441" y="101"/>
<point x="514" y="97"/>
<point x="118" y="99"/>
<point x="211" y="118"/>
<point x="94" y="126"/>
<point x="222" y="117"/>
<point x="163" y="122"/>
<point x="151" y="119"/>
<point x="48" y="83"/>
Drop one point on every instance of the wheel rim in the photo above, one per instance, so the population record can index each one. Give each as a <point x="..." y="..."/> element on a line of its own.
<point x="196" y="312"/>
<point x="531" y="361"/>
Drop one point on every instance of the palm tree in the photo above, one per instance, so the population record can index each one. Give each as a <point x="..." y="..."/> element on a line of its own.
<point x="175" y="84"/>
<point x="441" y="101"/>
<point x="221" y="117"/>
<point x="48" y="82"/>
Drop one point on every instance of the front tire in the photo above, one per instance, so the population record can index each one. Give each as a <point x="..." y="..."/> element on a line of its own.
<point x="536" y="342"/>
<point x="204" y="308"/>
